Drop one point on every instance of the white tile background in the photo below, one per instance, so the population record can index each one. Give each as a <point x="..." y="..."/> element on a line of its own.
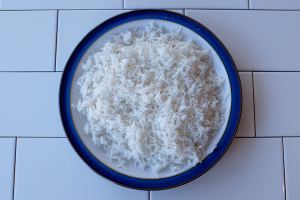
<point x="7" y="163"/>
<point x="44" y="172"/>
<point x="246" y="168"/>
<point x="275" y="4"/>
<point x="292" y="166"/>
<point x="194" y="4"/>
<point x="246" y="126"/>
<point x="59" y="4"/>
<point x="255" y="38"/>
<point x="32" y="111"/>
<point x="36" y="39"/>
<point x="27" y="40"/>
<point x="277" y="105"/>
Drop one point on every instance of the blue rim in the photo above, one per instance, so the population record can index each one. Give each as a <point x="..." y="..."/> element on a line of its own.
<point x="150" y="184"/>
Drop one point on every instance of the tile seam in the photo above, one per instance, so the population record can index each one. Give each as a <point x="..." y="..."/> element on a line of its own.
<point x="14" y="178"/>
<point x="253" y="104"/>
<point x="29" y="137"/>
<point x="228" y="9"/>
<point x="238" y="71"/>
<point x="66" y="137"/>
<point x="269" y="137"/>
<point x="283" y="160"/>
<point x="65" y="9"/>
<point x="30" y="71"/>
<point x="265" y="71"/>
<point x="55" y="56"/>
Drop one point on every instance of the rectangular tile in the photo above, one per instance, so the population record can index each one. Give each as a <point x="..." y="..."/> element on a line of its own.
<point x="29" y="106"/>
<point x="194" y="4"/>
<point x="246" y="127"/>
<point x="292" y="166"/>
<point x="257" y="40"/>
<point x="7" y="163"/>
<point x="277" y="103"/>
<point x="275" y="4"/>
<point x="73" y="25"/>
<point x="60" y="4"/>
<point x="252" y="168"/>
<point x="27" y="40"/>
<point x="49" y="168"/>
<point x="178" y="11"/>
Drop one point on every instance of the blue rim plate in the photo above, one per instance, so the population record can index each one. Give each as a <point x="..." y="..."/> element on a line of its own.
<point x="162" y="183"/>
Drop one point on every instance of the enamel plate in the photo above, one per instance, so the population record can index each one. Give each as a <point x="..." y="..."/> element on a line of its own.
<point x="134" y="177"/>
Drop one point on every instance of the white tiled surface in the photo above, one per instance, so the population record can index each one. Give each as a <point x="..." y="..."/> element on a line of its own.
<point x="29" y="107"/>
<point x="275" y="4"/>
<point x="59" y="4"/>
<point x="277" y="105"/>
<point x="42" y="38"/>
<point x="7" y="163"/>
<point x="73" y="26"/>
<point x="207" y="4"/>
<point x="257" y="40"/>
<point x="246" y="127"/>
<point x="49" y="168"/>
<point x="292" y="166"/>
<point x="245" y="172"/>
<point x="27" y="40"/>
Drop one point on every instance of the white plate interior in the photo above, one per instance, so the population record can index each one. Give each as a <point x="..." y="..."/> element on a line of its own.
<point x="79" y="122"/>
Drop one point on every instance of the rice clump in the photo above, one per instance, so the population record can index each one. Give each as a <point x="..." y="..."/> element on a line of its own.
<point x="152" y="98"/>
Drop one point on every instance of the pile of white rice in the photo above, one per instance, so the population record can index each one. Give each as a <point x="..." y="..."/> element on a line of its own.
<point x="152" y="98"/>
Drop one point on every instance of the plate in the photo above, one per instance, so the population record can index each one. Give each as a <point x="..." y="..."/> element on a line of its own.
<point x="96" y="158"/>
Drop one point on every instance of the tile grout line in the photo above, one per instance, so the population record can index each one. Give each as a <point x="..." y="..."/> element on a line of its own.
<point x="66" y="137"/>
<point x="265" y="71"/>
<point x="217" y="9"/>
<point x="56" y="41"/>
<point x="269" y="137"/>
<point x="238" y="71"/>
<point x="29" y="137"/>
<point x="75" y="9"/>
<point x="284" y="182"/>
<point x="253" y="104"/>
<point x="30" y="71"/>
<point x="232" y="9"/>
<point x="13" y="192"/>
